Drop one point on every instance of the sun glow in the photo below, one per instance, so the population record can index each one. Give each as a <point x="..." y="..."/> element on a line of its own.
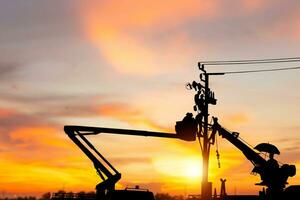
<point x="193" y="169"/>
<point x="179" y="167"/>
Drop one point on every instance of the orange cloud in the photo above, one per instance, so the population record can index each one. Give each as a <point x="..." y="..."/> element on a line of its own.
<point x="35" y="151"/>
<point x="5" y="112"/>
<point x="110" y="25"/>
<point x="34" y="154"/>
<point x="145" y="13"/>
<point x="238" y="118"/>
<point x="124" y="53"/>
<point x="41" y="135"/>
<point x="130" y="115"/>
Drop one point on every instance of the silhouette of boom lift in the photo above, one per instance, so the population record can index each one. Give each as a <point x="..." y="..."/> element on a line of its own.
<point x="109" y="175"/>
<point x="273" y="176"/>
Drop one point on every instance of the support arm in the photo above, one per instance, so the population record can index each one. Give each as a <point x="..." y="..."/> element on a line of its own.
<point x="233" y="138"/>
<point x="85" y="130"/>
<point x="106" y="171"/>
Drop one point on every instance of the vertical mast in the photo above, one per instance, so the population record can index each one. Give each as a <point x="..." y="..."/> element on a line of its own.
<point x="203" y="98"/>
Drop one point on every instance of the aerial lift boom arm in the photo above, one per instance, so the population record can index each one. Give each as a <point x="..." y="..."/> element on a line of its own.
<point x="233" y="138"/>
<point x="86" y="130"/>
<point x="109" y="175"/>
<point x="105" y="170"/>
<point x="272" y="175"/>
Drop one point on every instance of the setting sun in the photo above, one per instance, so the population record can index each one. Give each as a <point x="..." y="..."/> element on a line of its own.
<point x="182" y="168"/>
<point x="193" y="169"/>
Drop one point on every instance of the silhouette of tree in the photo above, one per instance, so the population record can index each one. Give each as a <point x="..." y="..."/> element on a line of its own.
<point x="81" y="195"/>
<point x="166" y="196"/>
<point x="46" y="196"/>
<point x="163" y="196"/>
<point x="26" y="198"/>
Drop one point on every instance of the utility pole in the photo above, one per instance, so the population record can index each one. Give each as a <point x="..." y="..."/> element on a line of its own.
<point x="203" y="98"/>
<point x="206" y="187"/>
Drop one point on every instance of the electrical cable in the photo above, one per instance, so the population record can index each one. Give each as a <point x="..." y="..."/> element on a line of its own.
<point x="217" y="152"/>
<point x="239" y="137"/>
<point x="254" y="61"/>
<point x="260" y="70"/>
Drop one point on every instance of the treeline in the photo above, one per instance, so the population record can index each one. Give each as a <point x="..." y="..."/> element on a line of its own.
<point x="19" y="198"/>
<point x="166" y="196"/>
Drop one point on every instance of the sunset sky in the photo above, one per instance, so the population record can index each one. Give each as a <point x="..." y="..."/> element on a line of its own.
<point x="125" y="64"/>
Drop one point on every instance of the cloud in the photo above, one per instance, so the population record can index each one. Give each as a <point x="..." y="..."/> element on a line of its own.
<point x="152" y="37"/>
<point x="120" y="31"/>
<point x="37" y="136"/>
<point x="30" y="136"/>
<point x="131" y="115"/>
<point x="132" y="55"/>
<point x="8" y="71"/>
<point x="50" y="106"/>
<point x="238" y="118"/>
<point x="253" y="5"/>
<point x="27" y="136"/>
<point x="287" y="27"/>
<point x="34" y="149"/>
<point x="12" y="120"/>
<point x="5" y="112"/>
<point x="274" y="19"/>
<point x="232" y="120"/>
<point x="145" y="13"/>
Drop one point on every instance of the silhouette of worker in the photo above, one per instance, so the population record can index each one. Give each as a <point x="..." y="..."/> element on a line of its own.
<point x="271" y="178"/>
<point x="271" y="171"/>
<point x="272" y="164"/>
<point x="223" y="193"/>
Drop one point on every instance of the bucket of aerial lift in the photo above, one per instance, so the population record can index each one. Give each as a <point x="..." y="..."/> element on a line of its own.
<point x="187" y="128"/>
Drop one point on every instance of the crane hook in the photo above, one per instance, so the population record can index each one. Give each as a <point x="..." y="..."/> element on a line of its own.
<point x="217" y="153"/>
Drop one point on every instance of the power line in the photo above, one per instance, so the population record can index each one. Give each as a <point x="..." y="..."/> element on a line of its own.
<point x="249" y="60"/>
<point x="254" y="61"/>
<point x="260" y="70"/>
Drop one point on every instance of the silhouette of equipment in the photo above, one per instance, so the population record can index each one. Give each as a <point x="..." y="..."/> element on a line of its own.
<point x="108" y="174"/>
<point x="267" y="147"/>
<point x="187" y="128"/>
<point x="223" y="193"/>
<point x="273" y="176"/>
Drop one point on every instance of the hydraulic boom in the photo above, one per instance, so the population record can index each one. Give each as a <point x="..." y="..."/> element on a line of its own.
<point x="273" y="176"/>
<point x="109" y="175"/>
<point x="233" y="138"/>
